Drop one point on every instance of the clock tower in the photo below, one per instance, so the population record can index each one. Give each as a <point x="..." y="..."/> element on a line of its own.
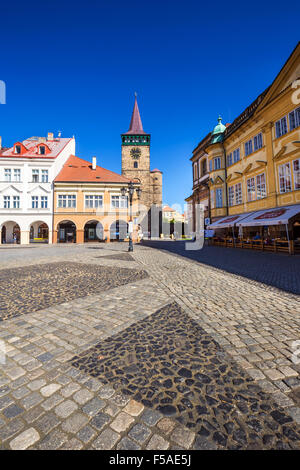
<point x="136" y="160"/>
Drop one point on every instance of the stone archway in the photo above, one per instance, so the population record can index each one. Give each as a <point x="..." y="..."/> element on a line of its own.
<point x="66" y="232"/>
<point x="10" y="232"/>
<point x="39" y="232"/>
<point x="93" y="231"/>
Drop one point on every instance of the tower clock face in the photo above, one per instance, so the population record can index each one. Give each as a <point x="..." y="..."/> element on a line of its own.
<point x="135" y="153"/>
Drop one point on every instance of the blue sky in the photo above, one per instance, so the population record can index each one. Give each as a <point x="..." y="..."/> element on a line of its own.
<point x="74" y="67"/>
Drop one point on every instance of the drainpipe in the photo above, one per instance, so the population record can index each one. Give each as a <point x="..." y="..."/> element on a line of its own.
<point x="226" y="192"/>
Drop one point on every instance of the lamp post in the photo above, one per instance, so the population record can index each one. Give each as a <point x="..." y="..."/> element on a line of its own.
<point x="130" y="191"/>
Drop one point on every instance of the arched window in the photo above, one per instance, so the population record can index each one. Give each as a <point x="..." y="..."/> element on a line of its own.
<point x="135" y="165"/>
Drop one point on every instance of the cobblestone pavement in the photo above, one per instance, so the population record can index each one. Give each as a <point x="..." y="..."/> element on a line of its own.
<point x="50" y="400"/>
<point x="256" y="324"/>
<point x="273" y="269"/>
<point x="168" y="363"/>
<point x="36" y="287"/>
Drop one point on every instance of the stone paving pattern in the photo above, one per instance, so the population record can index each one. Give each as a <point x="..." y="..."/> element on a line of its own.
<point x="36" y="287"/>
<point x="256" y="324"/>
<point x="46" y="403"/>
<point x="168" y="363"/>
<point x="279" y="270"/>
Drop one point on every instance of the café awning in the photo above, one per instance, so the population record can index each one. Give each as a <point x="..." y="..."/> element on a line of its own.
<point x="274" y="216"/>
<point x="228" y="221"/>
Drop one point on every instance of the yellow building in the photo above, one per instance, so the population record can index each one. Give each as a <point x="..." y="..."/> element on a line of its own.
<point x="254" y="162"/>
<point x="88" y="204"/>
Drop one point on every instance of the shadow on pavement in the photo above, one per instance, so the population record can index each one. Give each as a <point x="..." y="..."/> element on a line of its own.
<point x="273" y="269"/>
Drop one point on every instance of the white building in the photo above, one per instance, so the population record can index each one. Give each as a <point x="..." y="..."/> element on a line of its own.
<point x="27" y="171"/>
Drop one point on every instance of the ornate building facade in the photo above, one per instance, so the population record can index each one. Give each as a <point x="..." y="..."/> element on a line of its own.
<point x="254" y="162"/>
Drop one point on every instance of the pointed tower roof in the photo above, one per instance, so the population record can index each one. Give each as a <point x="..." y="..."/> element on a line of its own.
<point x="136" y="126"/>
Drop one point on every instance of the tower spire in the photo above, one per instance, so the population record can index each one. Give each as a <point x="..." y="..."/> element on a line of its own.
<point x="136" y="126"/>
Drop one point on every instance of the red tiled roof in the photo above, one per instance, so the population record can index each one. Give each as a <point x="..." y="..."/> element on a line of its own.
<point x="30" y="148"/>
<point x="156" y="171"/>
<point x="168" y="209"/>
<point x="78" y="170"/>
<point x="136" y="126"/>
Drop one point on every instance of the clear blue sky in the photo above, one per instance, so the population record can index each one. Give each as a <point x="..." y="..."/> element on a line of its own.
<point x="74" y="67"/>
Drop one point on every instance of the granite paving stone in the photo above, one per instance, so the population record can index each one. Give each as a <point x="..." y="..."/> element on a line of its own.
<point x="106" y="440"/>
<point x="24" y="440"/>
<point x="157" y="442"/>
<point x="128" y="444"/>
<point x="140" y="433"/>
<point x="64" y="409"/>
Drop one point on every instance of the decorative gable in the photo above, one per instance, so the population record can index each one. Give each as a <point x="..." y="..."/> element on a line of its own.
<point x="289" y="73"/>
<point x="10" y="189"/>
<point x="38" y="189"/>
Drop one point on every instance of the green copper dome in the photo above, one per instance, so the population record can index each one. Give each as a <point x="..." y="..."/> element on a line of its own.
<point x="217" y="133"/>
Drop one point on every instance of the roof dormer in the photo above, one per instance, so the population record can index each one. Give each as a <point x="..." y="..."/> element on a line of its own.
<point x="42" y="148"/>
<point x="19" y="148"/>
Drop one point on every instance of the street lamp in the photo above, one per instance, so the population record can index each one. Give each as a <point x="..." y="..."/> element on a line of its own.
<point x="130" y="191"/>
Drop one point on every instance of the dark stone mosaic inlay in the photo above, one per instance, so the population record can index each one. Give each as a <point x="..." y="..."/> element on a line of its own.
<point x="169" y="363"/>
<point x="28" y="289"/>
<point x="120" y="256"/>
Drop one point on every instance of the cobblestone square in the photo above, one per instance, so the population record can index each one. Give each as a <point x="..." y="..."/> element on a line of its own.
<point x="152" y="350"/>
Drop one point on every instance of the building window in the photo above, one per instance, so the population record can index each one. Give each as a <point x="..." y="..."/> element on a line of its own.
<point x="238" y="193"/>
<point x="119" y="202"/>
<point x="44" y="202"/>
<point x="285" y="178"/>
<point x="45" y="175"/>
<point x="212" y="198"/>
<point x="135" y="164"/>
<point x="236" y="155"/>
<point x="231" y="195"/>
<point x="251" y="189"/>
<point x="195" y="171"/>
<point x="35" y="176"/>
<point x="42" y="150"/>
<point x="18" y="149"/>
<point x="229" y="159"/>
<point x="210" y="165"/>
<point x="66" y="200"/>
<point x="93" y="202"/>
<point x="217" y="163"/>
<point x="16" y="202"/>
<point x="261" y="186"/>
<point x="257" y="141"/>
<point x="34" y="202"/>
<point x="281" y="127"/>
<point x="17" y="175"/>
<point x="219" y="198"/>
<point x="248" y="147"/>
<point x="294" y="118"/>
<point x="203" y="167"/>
<point x="296" y="169"/>
<point x="6" y="200"/>
<point x="7" y="174"/>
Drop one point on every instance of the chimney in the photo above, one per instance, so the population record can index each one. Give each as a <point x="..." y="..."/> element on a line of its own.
<point x="94" y="163"/>
<point x="50" y="136"/>
<point x="0" y="142"/>
<point x="42" y="139"/>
